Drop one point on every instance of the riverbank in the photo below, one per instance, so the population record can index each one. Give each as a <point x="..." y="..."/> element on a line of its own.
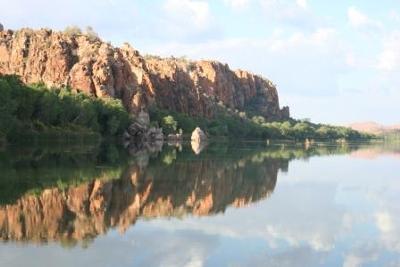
<point x="30" y="113"/>
<point x="35" y="112"/>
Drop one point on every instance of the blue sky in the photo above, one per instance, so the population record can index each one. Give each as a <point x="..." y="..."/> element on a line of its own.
<point x="333" y="61"/>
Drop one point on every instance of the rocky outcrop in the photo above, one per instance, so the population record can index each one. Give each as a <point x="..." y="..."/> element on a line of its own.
<point x="201" y="87"/>
<point x="198" y="135"/>
<point x="198" y="140"/>
<point x="87" y="64"/>
<point x="140" y="138"/>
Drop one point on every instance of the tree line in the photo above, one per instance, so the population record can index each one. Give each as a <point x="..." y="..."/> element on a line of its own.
<point x="238" y="125"/>
<point x="29" y="110"/>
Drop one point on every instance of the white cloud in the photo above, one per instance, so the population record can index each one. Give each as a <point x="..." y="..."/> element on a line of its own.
<point x="237" y="4"/>
<point x="302" y="3"/>
<point x="359" y="20"/>
<point x="384" y="222"/>
<point x="290" y="13"/>
<point x="389" y="58"/>
<point x="190" y="10"/>
<point x="184" y="21"/>
<point x="351" y="60"/>
<point x="361" y="256"/>
<point x="394" y="15"/>
<point x="352" y="261"/>
<point x="356" y="17"/>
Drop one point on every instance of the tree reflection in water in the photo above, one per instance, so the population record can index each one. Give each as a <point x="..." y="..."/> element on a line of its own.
<point x="73" y="194"/>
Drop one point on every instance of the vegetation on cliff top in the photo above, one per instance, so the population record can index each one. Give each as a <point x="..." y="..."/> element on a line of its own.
<point x="36" y="111"/>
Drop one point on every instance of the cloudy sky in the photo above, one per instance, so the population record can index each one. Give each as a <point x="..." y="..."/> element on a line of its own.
<point x="333" y="61"/>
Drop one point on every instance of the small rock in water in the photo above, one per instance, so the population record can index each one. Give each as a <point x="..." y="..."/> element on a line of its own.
<point x="197" y="147"/>
<point x="198" y="135"/>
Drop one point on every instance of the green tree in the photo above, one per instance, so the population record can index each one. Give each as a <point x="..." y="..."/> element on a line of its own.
<point x="303" y="130"/>
<point x="8" y="106"/>
<point x="169" y="124"/>
<point x="258" y="119"/>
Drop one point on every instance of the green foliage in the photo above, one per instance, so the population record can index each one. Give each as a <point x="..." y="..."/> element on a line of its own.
<point x="26" y="110"/>
<point x="258" y="119"/>
<point x="72" y="31"/>
<point x="8" y="107"/>
<point x="237" y="125"/>
<point x="169" y="124"/>
<point x="31" y="169"/>
<point x="392" y="136"/>
<point x="183" y="121"/>
<point x="93" y="36"/>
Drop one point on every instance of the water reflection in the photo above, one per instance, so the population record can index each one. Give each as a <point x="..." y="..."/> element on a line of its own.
<point x="73" y="194"/>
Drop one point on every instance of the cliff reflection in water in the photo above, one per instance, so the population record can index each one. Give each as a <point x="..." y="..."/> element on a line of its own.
<point x="74" y="194"/>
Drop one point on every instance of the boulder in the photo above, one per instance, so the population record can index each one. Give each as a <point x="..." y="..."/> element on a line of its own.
<point x="1" y="27"/>
<point x="197" y="147"/>
<point x="141" y="139"/>
<point x="198" y="135"/>
<point x="137" y="132"/>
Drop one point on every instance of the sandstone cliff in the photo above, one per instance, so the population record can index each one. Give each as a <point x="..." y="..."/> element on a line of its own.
<point x="87" y="64"/>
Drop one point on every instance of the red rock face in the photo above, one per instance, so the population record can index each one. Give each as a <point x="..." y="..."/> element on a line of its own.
<point x="96" y="68"/>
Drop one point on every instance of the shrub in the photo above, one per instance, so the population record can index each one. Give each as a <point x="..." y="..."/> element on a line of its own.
<point x="72" y="31"/>
<point x="93" y="36"/>
<point x="169" y="124"/>
<point x="37" y="108"/>
<point x="237" y="125"/>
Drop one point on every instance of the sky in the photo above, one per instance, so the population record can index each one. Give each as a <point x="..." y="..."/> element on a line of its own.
<point x="332" y="61"/>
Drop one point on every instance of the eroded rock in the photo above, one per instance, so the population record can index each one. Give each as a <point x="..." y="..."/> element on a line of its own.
<point x="97" y="68"/>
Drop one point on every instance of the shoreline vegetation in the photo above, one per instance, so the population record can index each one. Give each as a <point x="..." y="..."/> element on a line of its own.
<point x="35" y="113"/>
<point x="239" y="125"/>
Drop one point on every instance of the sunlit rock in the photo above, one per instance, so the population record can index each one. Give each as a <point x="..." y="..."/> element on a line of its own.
<point x="96" y="68"/>
<point x="198" y="135"/>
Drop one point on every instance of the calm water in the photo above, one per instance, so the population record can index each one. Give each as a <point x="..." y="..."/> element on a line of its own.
<point x="247" y="204"/>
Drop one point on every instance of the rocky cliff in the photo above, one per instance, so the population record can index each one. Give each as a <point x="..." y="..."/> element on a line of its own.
<point x="87" y="64"/>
